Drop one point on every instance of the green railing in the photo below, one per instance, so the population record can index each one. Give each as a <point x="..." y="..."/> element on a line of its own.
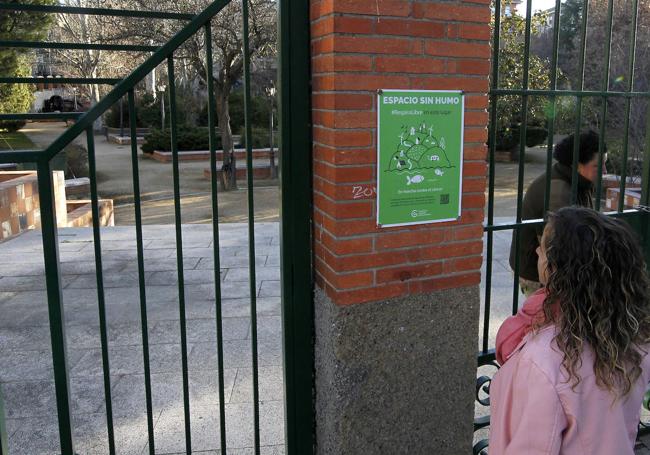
<point x="638" y="217"/>
<point x="295" y="164"/>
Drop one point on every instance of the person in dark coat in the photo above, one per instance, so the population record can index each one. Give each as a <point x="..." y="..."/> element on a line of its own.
<point x="533" y="203"/>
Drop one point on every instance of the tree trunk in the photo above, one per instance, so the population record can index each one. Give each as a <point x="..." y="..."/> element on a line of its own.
<point x="229" y="168"/>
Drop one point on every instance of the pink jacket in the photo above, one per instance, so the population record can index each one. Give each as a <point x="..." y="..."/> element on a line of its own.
<point x="534" y="411"/>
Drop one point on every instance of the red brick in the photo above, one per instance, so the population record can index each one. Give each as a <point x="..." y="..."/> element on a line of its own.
<point x="344" y="174"/>
<point x="469" y="84"/>
<point x="342" y="247"/>
<point x="349" y="228"/>
<point x="409" y="238"/>
<point x="343" y="210"/>
<point x="475" y="152"/>
<point x="474" y="169"/>
<point x="409" y="272"/>
<point x="339" y="138"/>
<point x="468" y="232"/>
<point x="458" y="49"/>
<point x="475" y="135"/>
<point x="320" y="8"/>
<point x="373" y="294"/>
<point x="464" y="264"/>
<point x="474" y="201"/>
<point x="450" y="250"/>
<point x="368" y="82"/>
<point x="481" y="32"/>
<point x="452" y="31"/>
<point x="345" y="192"/>
<point x="409" y="27"/>
<point x="400" y="8"/>
<point x="372" y="45"/>
<point x="473" y="67"/>
<point x="355" y="119"/>
<point x="451" y="12"/>
<point x="473" y="118"/>
<point x="472" y="216"/>
<point x="409" y="65"/>
<point x="322" y="27"/>
<point x="328" y="63"/>
<point x="476" y="102"/>
<point x="342" y="101"/>
<point x="445" y="282"/>
<point x="322" y="46"/>
<point x="339" y="156"/>
<point x="356" y="25"/>
<point x="474" y="185"/>
<point x="344" y="281"/>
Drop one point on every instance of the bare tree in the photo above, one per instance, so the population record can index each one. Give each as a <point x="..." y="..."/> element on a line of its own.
<point x="228" y="57"/>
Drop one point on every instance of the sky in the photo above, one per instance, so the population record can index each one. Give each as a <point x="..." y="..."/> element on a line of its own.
<point x="540" y="5"/>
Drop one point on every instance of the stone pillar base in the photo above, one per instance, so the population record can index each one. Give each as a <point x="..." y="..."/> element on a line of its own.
<point x="395" y="377"/>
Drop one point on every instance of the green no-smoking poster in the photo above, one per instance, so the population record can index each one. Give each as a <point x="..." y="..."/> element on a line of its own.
<point x="419" y="156"/>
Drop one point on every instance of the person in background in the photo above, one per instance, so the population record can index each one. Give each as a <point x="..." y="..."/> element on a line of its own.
<point x="575" y="367"/>
<point x="533" y="203"/>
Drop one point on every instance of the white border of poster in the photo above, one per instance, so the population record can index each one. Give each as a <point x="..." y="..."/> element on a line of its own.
<point x="462" y="154"/>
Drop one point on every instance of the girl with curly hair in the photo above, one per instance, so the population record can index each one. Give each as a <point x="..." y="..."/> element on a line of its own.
<point x="575" y="381"/>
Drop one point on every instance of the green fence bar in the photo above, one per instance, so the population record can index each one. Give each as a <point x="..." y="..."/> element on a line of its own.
<point x="551" y="123"/>
<point x="212" y="137"/>
<point x="94" y="203"/>
<point x="645" y="182"/>
<point x="60" y="80"/>
<point x="628" y="105"/>
<point x="142" y="287"/>
<point x="251" y="226"/>
<point x="491" y="161"/>
<point x="295" y="224"/>
<point x="4" y="438"/>
<point x="42" y="116"/>
<point x="55" y="304"/>
<point x="581" y="86"/>
<point x="21" y="156"/>
<point x="603" y="109"/>
<point x="179" y="250"/>
<point x="577" y="93"/>
<point x="93" y="11"/>
<point x="522" y="154"/>
<point x="80" y="46"/>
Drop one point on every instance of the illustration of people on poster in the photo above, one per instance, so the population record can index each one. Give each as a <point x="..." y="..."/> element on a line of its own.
<point x="419" y="156"/>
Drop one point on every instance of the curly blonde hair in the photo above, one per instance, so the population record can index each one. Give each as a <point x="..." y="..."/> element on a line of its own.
<point x="598" y="295"/>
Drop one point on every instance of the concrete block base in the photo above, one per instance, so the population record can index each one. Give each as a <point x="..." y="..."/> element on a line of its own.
<point x="398" y="376"/>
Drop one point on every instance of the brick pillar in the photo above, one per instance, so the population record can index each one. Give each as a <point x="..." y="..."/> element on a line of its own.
<point x="396" y="308"/>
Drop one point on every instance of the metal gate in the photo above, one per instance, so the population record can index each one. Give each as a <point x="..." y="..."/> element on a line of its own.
<point x="295" y="231"/>
<point x="553" y="92"/>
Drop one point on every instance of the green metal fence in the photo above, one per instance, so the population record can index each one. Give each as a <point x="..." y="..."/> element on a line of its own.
<point x="637" y="217"/>
<point x="295" y="165"/>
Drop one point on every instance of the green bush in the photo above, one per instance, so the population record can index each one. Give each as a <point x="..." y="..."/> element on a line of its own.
<point x="615" y="160"/>
<point x="260" y="111"/>
<point x="508" y="139"/>
<point x="73" y="160"/>
<point x="16" y="98"/>
<point x="261" y="137"/>
<point x="147" y="112"/>
<point x="189" y="138"/>
<point x="11" y="126"/>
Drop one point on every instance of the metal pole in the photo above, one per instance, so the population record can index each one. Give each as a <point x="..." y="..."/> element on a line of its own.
<point x="121" y="120"/>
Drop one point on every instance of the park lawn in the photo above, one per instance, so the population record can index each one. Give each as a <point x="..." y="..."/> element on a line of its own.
<point x="15" y="141"/>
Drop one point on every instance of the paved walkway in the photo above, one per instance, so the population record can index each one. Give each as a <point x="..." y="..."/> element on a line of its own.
<point x="25" y="356"/>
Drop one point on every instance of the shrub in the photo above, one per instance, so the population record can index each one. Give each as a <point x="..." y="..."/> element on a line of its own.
<point x="261" y="137"/>
<point x="189" y="138"/>
<point x="508" y="138"/>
